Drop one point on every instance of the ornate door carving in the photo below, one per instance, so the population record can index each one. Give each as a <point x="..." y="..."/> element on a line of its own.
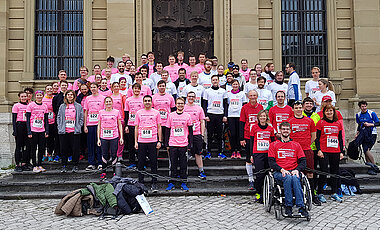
<point x="185" y="25"/>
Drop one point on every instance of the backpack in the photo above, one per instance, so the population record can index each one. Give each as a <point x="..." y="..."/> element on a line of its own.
<point x="353" y="150"/>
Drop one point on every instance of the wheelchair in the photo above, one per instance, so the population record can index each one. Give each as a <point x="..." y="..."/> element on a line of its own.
<point x="274" y="196"/>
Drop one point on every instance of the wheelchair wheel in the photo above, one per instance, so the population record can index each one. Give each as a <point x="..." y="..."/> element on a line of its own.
<point x="307" y="193"/>
<point x="268" y="193"/>
<point x="277" y="211"/>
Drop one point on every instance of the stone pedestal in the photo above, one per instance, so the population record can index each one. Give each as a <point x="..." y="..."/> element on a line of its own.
<point x="7" y="141"/>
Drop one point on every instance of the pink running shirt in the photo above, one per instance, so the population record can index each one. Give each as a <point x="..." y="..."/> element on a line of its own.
<point x="118" y="103"/>
<point x="109" y="124"/>
<point x="105" y="93"/>
<point x="245" y="73"/>
<point x="163" y="103"/>
<point x="173" y="72"/>
<point x="70" y="118"/>
<point x="201" y="66"/>
<point x="148" y="121"/>
<point x="49" y="103"/>
<point x="132" y="105"/>
<point x="93" y="105"/>
<point x="179" y="130"/>
<point x="113" y="71"/>
<point x="145" y="90"/>
<point x="20" y="109"/>
<point x="191" y="69"/>
<point x="197" y="115"/>
<point x="37" y="113"/>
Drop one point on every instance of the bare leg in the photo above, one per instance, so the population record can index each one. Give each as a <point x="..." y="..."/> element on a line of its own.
<point x="198" y="160"/>
<point x="369" y="157"/>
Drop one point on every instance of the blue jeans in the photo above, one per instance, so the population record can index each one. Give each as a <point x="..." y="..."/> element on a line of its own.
<point x="291" y="184"/>
<point x="94" y="150"/>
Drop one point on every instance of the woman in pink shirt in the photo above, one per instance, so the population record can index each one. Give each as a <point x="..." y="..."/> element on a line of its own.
<point x="104" y="90"/>
<point x="110" y="132"/>
<point x="20" y="132"/>
<point x="118" y="104"/>
<point x="38" y="129"/>
<point x="48" y="101"/>
<point x="70" y="120"/>
<point x="92" y="106"/>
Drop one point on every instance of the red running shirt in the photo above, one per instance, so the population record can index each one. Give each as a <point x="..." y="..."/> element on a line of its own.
<point x="286" y="154"/>
<point x="301" y="131"/>
<point x="262" y="138"/>
<point x="278" y="115"/>
<point x="248" y="115"/>
<point x="329" y="141"/>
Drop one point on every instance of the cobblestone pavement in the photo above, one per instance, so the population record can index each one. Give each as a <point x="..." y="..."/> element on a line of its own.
<point x="216" y="212"/>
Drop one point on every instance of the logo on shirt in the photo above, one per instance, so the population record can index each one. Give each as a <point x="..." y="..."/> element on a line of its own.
<point x="330" y="130"/>
<point x="284" y="153"/>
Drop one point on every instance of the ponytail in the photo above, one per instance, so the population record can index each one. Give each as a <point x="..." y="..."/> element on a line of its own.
<point x="327" y="83"/>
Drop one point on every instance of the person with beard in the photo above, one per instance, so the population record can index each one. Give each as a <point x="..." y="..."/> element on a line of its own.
<point x="228" y="85"/>
<point x="214" y="66"/>
<point x="182" y="81"/>
<point x="238" y="76"/>
<point x="278" y="85"/>
<point x="265" y="96"/>
<point x="116" y="77"/>
<point x="205" y="76"/>
<point x="280" y="112"/>
<point x="269" y="74"/>
<point x="132" y="72"/>
<point x="244" y="69"/>
<point x="252" y="84"/>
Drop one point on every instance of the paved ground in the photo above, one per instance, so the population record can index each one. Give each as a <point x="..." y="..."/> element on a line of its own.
<point x="231" y="212"/>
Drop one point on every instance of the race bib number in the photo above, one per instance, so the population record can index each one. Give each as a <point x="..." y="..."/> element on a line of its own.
<point x="50" y="115"/>
<point x="146" y="132"/>
<point x="132" y="116"/>
<point x="262" y="145"/>
<point x="197" y="100"/>
<point x="70" y="123"/>
<point x="93" y="117"/>
<point x="234" y="103"/>
<point x="163" y="114"/>
<point x="332" y="142"/>
<point x="179" y="132"/>
<point x="107" y="133"/>
<point x="38" y="123"/>
<point x="206" y="86"/>
<point x="195" y="125"/>
<point x="24" y="116"/>
<point x="216" y="104"/>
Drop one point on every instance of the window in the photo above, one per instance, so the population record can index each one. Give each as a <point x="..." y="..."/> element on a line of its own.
<point x="58" y="38"/>
<point x="304" y="35"/>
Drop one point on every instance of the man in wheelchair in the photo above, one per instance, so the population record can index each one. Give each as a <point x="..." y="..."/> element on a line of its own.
<point x="287" y="160"/>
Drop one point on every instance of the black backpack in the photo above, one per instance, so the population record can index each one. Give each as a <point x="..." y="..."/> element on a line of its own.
<point x="353" y="150"/>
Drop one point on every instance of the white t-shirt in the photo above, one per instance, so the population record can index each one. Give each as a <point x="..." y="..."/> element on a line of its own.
<point x="235" y="103"/>
<point x="214" y="72"/>
<point x="268" y="77"/>
<point x="228" y="87"/>
<point x="264" y="97"/>
<point x="156" y="78"/>
<point x="319" y="95"/>
<point x="275" y="87"/>
<point x="170" y="89"/>
<point x="116" y="77"/>
<point x="205" y="80"/>
<point x="215" y="100"/>
<point x="149" y="82"/>
<point x="311" y="87"/>
<point x="222" y="80"/>
<point x="198" y="90"/>
<point x="294" y="79"/>
<point x="248" y="87"/>
<point x="180" y="87"/>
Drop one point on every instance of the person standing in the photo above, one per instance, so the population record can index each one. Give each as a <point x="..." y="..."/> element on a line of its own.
<point x="192" y="67"/>
<point x="202" y="61"/>
<point x="180" y="58"/>
<point x="326" y="89"/>
<point x="265" y="96"/>
<point x="121" y="73"/>
<point x="83" y="71"/>
<point x="280" y="112"/>
<point x="269" y="73"/>
<point x="244" y="69"/>
<point x="205" y="76"/>
<point x="312" y="86"/>
<point x="294" y="86"/>
<point x="252" y="83"/>
<point x="48" y="101"/>
<point x="172" y="68"/>
<point x="182" y="81"/>
<point x="194" y="87"/>
<point x="278" y="85"/>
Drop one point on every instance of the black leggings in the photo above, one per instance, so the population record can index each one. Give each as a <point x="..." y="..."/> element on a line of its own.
<point x="178" y="157"/>
<point x="215" y="131"/>
<point x="70" y="144"/>
<point x="130" y="140"/>
<point x="331" y="159"/>
<point x="50" y="141"/>
<point x="261" y="162"/>
<point x="165" y="135"/>
<point x="38" y="139"/>
<point x="109" y="150"/>
<point x="233" y="124"/>
<point x="22" y="143"/>
<point x="144" y="150"/>
<point x="57" y="144"/>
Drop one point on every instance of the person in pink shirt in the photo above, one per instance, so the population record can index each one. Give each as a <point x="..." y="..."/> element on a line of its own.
<point x="172" y="68"/>
<point x="181" y="139"/>
<point x="110" y="133"/>
<point x="83" y="75"/>
<point x="202" y="60"/>
<point x="132" y="104"/>
<point x="144" y="60"/>
<point x="110" y="62"/>
<point x="92" y="106"/>
<point x="192" y="67"/>
<point x="29" y="93"/>
<point x="145" y="90"/>
<point x="70" y="120"/>
<point x="62" y="75"/>
<point x="108" y="77"/>
<point x="244" y="69"/>
<point x="151" y="63"/>
<point x="147" y="133"/>
<point x="164" y="103"/>
<point x="48" y="101"/>
<point x="118" y="104"/>
<point x="38" y="129"/>
<point x="103" y="89"/>
<point x="97" y="70"/>
<point x="20" y="132"/>
<point x="180" y="57"/>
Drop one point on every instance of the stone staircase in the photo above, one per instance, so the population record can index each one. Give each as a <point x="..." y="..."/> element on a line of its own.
<point x="223" y="177"/>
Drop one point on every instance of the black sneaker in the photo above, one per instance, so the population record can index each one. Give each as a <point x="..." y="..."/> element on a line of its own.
<point x="288" y="211"/>
<point x="75" y="169"/>
<point x="18" y="169"/>
<point x="316" y="201"/>
<point x="303" y="212"/>
<point x="26" y="168"/>
<point x="154" y="188"/>
<point x="64" y="169"/>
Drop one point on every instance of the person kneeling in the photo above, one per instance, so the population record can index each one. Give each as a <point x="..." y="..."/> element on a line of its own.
<point x="287" y="159"/>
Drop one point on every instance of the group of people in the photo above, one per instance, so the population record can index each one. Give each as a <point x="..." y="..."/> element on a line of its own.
<point x="140" y="110"/>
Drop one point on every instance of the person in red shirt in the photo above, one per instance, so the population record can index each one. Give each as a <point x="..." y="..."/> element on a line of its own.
<point x="261" y="135"/>
<point x="280" y="112"/>
<point x="287" y="159"/>
<point x="248" y="118"/>
<point x="329" y="144"/>
<point x="303" y="131"/>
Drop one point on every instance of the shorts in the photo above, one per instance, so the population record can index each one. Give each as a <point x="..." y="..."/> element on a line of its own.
<point x="197" y="145"/>
<point x="309" y="159"/>
<point x="368" y="144"/>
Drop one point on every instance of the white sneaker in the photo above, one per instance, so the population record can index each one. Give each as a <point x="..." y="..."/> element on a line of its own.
<point x="100" y="167"/>
<point x="42" y="169"/>
<point x="90" y="167"/>
<point x="36" y="169"/>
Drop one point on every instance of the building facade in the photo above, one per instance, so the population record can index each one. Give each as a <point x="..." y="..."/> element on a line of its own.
<point x="348" y="35"/>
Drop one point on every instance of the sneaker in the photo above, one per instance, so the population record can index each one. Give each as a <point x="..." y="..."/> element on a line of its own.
<point x="170" y="187"/>
<point x="184" y="187"/>
<point x="154" y="188"/>
<point x="44" y="158"/>
<point x="208" y="156"/>
<point x="238" y="155"/>
<point x="336" y="198"/>
<point x="221" y="155"/>
<point x="100" y="167"/>
<point x="288" y="211"/>
<point x="36" y="169"/>
<point x="251" y="186"/>
<point x="90" y="167"/>
<point x="64" y="169"/>
<point x="81" y="157"/>
<point x="202" y="175"/>
<point x="321" y="198"/>
<point x="26" y="168"/>
<point x="50" y="159"/>
<point x="56" y="159"/>
<point x="18" y="169"/>
<point x="75" y="169"/>
<point x="233" y="155"/>
<point x="258" y="198"/>
<point x="303" y="212"/>
<point x="316" y="201"/>
<point x="70" y="158"/>
<point x="131" y="166"/>
<point x="339" y="192"/>
<point x="42" y="169"/>
<point x="345" y="189"/>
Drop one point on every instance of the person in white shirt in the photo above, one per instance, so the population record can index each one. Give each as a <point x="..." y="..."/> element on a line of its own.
<point x="147" y="81"/>
<point x="312" y="86"/>
<point x="228" y="85"/>
<point x="269" y="73"/>
<point x="222" y="77"/>
<point x="115" y="77"/>
<point x="264" y="96"/>
<point x="259" y="69"/>
<point x="252" y="84"/>
<point x="214" y="67"/>
<point x="238" y="76"/>
<point x="194" y="87"/>
<point x="156" y="76"/>
<point x="326" y="88"/>
<point x="205" y="76"/>
<point x="294" y="84"/>
<point x="278" y="85"/>
<point x="170" y="87"/>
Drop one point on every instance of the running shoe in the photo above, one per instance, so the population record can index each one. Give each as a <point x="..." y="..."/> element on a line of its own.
<point x="131" y="166"/>
<point x="42" y="169"/>
<point x="184" y="187"/>
<point x="222" y="156"/>
<point x="288" y="211"/>
<point x="258" y="199"/>
<point x="100" y="167"/>
<point x="336" y="198"/>
<point x="75" y="169"/>
<point x="50" y="159"/>
<point x="316" y="201"/>
<point x="251" y="186"/>
<point x="18" y="169"/>
<point x="170" y="187"/>
<point x="36" y="169"/>
<point x="44" y="158"/>
<point x="208" y="156"/>
<point x="56" y="159"/>
<point x="238" y="155"/>
<point x="90" y="167"/>
<point x="233" y="155"/>
<point x="321" y="198"/>
<point x="26" y="168"/>
<point x="64" y="169"/>
<point x="303" y="212"/>
<point x="339" y="192"/>
<point x="154" y="188"/>
<point x="70" y="158"/>
<point x="202" y="175"/>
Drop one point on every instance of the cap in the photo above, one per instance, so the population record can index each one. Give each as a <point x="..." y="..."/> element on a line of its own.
<point x="326" y="98"/>
<point x="230" y="64"/>
<point x="236" y="67"/>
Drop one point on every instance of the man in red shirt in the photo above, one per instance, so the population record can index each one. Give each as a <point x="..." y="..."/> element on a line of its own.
<point x="303" y="131"/>
<point x="287" y="159"/>
<point x="279" y="112"/>
<point x="248" y="118"/>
